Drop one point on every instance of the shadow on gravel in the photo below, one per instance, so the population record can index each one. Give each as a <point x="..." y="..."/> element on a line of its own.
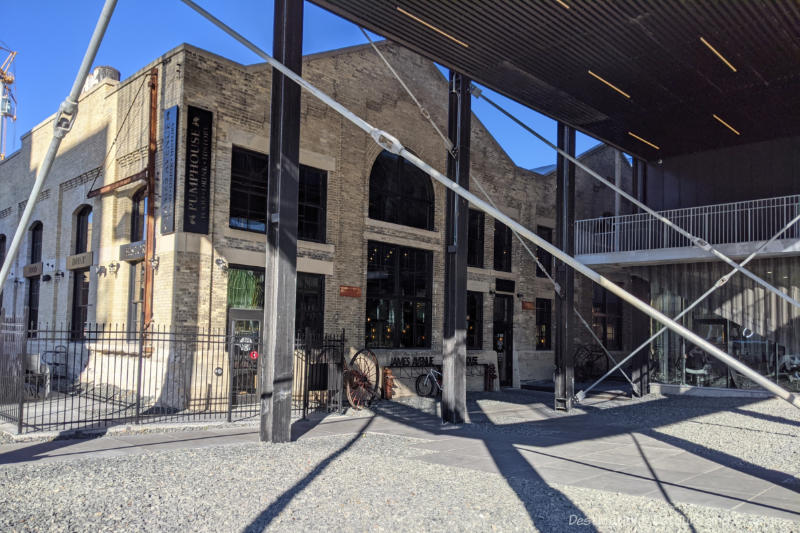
<point x="553" y="429"/>
<point x="538" y="497"/>
<point x="32" y="452"/>
<point x="263" y="520"/>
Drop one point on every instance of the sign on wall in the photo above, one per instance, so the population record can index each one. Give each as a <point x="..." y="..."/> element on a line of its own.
<point x="528" y="306"/>
<point x="169" y="161"/>
<point x="198" y="171"/>
<point x="32" y="270"/>
<point x="80" y="261"/>
<point x="349" y="292"/>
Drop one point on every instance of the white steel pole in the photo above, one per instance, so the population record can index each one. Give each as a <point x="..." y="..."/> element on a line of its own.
<point x="65" y="117"/>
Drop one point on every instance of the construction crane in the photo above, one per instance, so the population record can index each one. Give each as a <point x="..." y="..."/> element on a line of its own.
<point x="8" y="100"/>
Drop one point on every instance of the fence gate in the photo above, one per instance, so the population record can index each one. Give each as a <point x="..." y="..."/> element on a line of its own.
<point x="245" y="349"/>
<point x="317" y="373"/>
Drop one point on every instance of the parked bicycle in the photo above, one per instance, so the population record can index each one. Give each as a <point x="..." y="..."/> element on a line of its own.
<point x="429" y="382"/>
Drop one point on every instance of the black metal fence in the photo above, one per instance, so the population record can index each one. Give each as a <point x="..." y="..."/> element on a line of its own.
<point x="318" y="366"/>
<point x="53" y="378"/>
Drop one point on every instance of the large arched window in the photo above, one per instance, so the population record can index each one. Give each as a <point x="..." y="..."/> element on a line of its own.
<point x="139" y="215"/>
<point x="83" y="230"/>
<point x="400" y="193"/>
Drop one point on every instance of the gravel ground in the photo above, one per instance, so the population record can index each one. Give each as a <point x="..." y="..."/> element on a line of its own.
<point x="374" y="483"/>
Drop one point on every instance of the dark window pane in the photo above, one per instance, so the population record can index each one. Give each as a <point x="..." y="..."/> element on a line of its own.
<point x="543" y="324"/>
<point x="80" y="303"/>
<point x="310" y="309"/>
<point x="400" y="193"/>
<point x="475" y="239"/>
<point x="607" y="318"/>
<point x="544" y="257"/>
<point x="474" y="320"/>
<point x="502" y="247"/>
<point x="398" y="296"/>
<point x="36" y="242"/>
<point x="138" y="215"/>
<point x="83" y="228"/>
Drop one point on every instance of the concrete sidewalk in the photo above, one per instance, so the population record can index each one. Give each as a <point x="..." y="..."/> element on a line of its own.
<point x="580" y="450"/>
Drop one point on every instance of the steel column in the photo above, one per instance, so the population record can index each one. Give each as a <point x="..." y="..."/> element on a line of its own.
<point x="454" y="357"/>
<point x="640" y="328"/>
<point x="565" y="276"/>
<point x="276" y="364"/>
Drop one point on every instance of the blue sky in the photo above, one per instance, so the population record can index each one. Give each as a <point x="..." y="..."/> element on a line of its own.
<point x="51" y="36"/>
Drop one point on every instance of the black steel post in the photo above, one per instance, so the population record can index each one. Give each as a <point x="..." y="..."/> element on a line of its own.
<point x="640" y="331"/>
<point x="565" y="276"/>
<point x="276" y="366"/>
<point x="454" y="357"/>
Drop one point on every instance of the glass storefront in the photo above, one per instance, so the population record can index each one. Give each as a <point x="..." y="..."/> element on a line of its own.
<point x="742" y="318"/>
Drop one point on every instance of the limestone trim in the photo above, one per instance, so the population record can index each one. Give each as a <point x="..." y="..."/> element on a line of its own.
<point x="373" y="224"/>
<point x="411" y="243"/>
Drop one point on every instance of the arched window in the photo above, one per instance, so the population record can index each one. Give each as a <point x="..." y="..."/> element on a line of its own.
<point x="139" y="215"/>
<point x="400" y="193"/>
<point x="36" y="242"/>
<point x="83" y="230"/>
<point x="33" y="283"/>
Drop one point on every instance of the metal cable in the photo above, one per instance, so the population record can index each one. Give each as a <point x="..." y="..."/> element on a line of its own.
<point x="390" y="143"/>
<point x="424" y="112"/>
<point x="696" y="241"/>
<point x="127" y="114"/>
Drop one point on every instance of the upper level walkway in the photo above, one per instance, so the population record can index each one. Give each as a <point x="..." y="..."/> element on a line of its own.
<point x="736" y="229"/>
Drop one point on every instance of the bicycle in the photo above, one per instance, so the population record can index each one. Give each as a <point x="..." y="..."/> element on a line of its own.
<point x="428" y="382"/>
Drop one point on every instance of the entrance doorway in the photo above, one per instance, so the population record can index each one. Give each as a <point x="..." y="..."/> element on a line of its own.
<point x="245" y="331"/>
<point x="503" y="337"/>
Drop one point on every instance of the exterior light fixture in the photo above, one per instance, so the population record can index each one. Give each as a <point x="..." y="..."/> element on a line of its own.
<point x="620" y="91"/>
<point x="432" y="27"/>
<point x="100" y="270"/>
<point x="726" y="124"/>
<point x="648" y="143"/>
<point x="113" y="267"/>
<point x="154" y="262"/>
<point x="716" y="53"/>
<point x="222" y="264"/>
<point x="58" y="274"/>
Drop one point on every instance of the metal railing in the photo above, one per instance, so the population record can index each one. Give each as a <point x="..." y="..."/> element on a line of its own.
<point x="737" y="222"/>
<point x="54" y="379"/>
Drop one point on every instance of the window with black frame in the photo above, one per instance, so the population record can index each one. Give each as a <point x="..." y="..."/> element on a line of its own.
<point x="400" y="193"/>
<point x="544" y="257"/>
<point x="35" y="256"/>
<point x="399" y="283"/>
<point x="502" y="247"/>
<point x="607" y="318"/>
<point x="80" y="278"/>
<point x="248" y="197"/>
<point x="139" y="215"/>
<point x="475" y="244"/>
<point x="474" y="320"/>
<point x="544" y="328"/>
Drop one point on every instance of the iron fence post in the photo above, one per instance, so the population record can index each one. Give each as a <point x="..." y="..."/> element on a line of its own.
<point x="230" y="374"/>
<point x="139" y="375"/>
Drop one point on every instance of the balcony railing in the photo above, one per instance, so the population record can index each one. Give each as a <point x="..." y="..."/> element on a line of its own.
<point x="738" y="222"/>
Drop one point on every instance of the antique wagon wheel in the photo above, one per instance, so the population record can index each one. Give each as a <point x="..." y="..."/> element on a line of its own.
<point x="361" y="379"/>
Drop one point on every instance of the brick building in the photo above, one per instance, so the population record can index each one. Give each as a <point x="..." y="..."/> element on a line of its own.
<point x="370" y="256"/>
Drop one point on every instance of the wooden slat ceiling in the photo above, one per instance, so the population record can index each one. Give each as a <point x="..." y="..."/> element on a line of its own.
<point x="539" y="53"/>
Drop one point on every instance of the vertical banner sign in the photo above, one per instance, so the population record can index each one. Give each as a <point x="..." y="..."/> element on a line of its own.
<point x="198" y="171"/>
<point x="169" y="161"/>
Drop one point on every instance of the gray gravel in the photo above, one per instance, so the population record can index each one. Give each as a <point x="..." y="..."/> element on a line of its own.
<point x="375" y="483"/>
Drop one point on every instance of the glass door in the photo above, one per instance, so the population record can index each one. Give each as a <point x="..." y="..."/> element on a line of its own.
<point x="245" y="350"/>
